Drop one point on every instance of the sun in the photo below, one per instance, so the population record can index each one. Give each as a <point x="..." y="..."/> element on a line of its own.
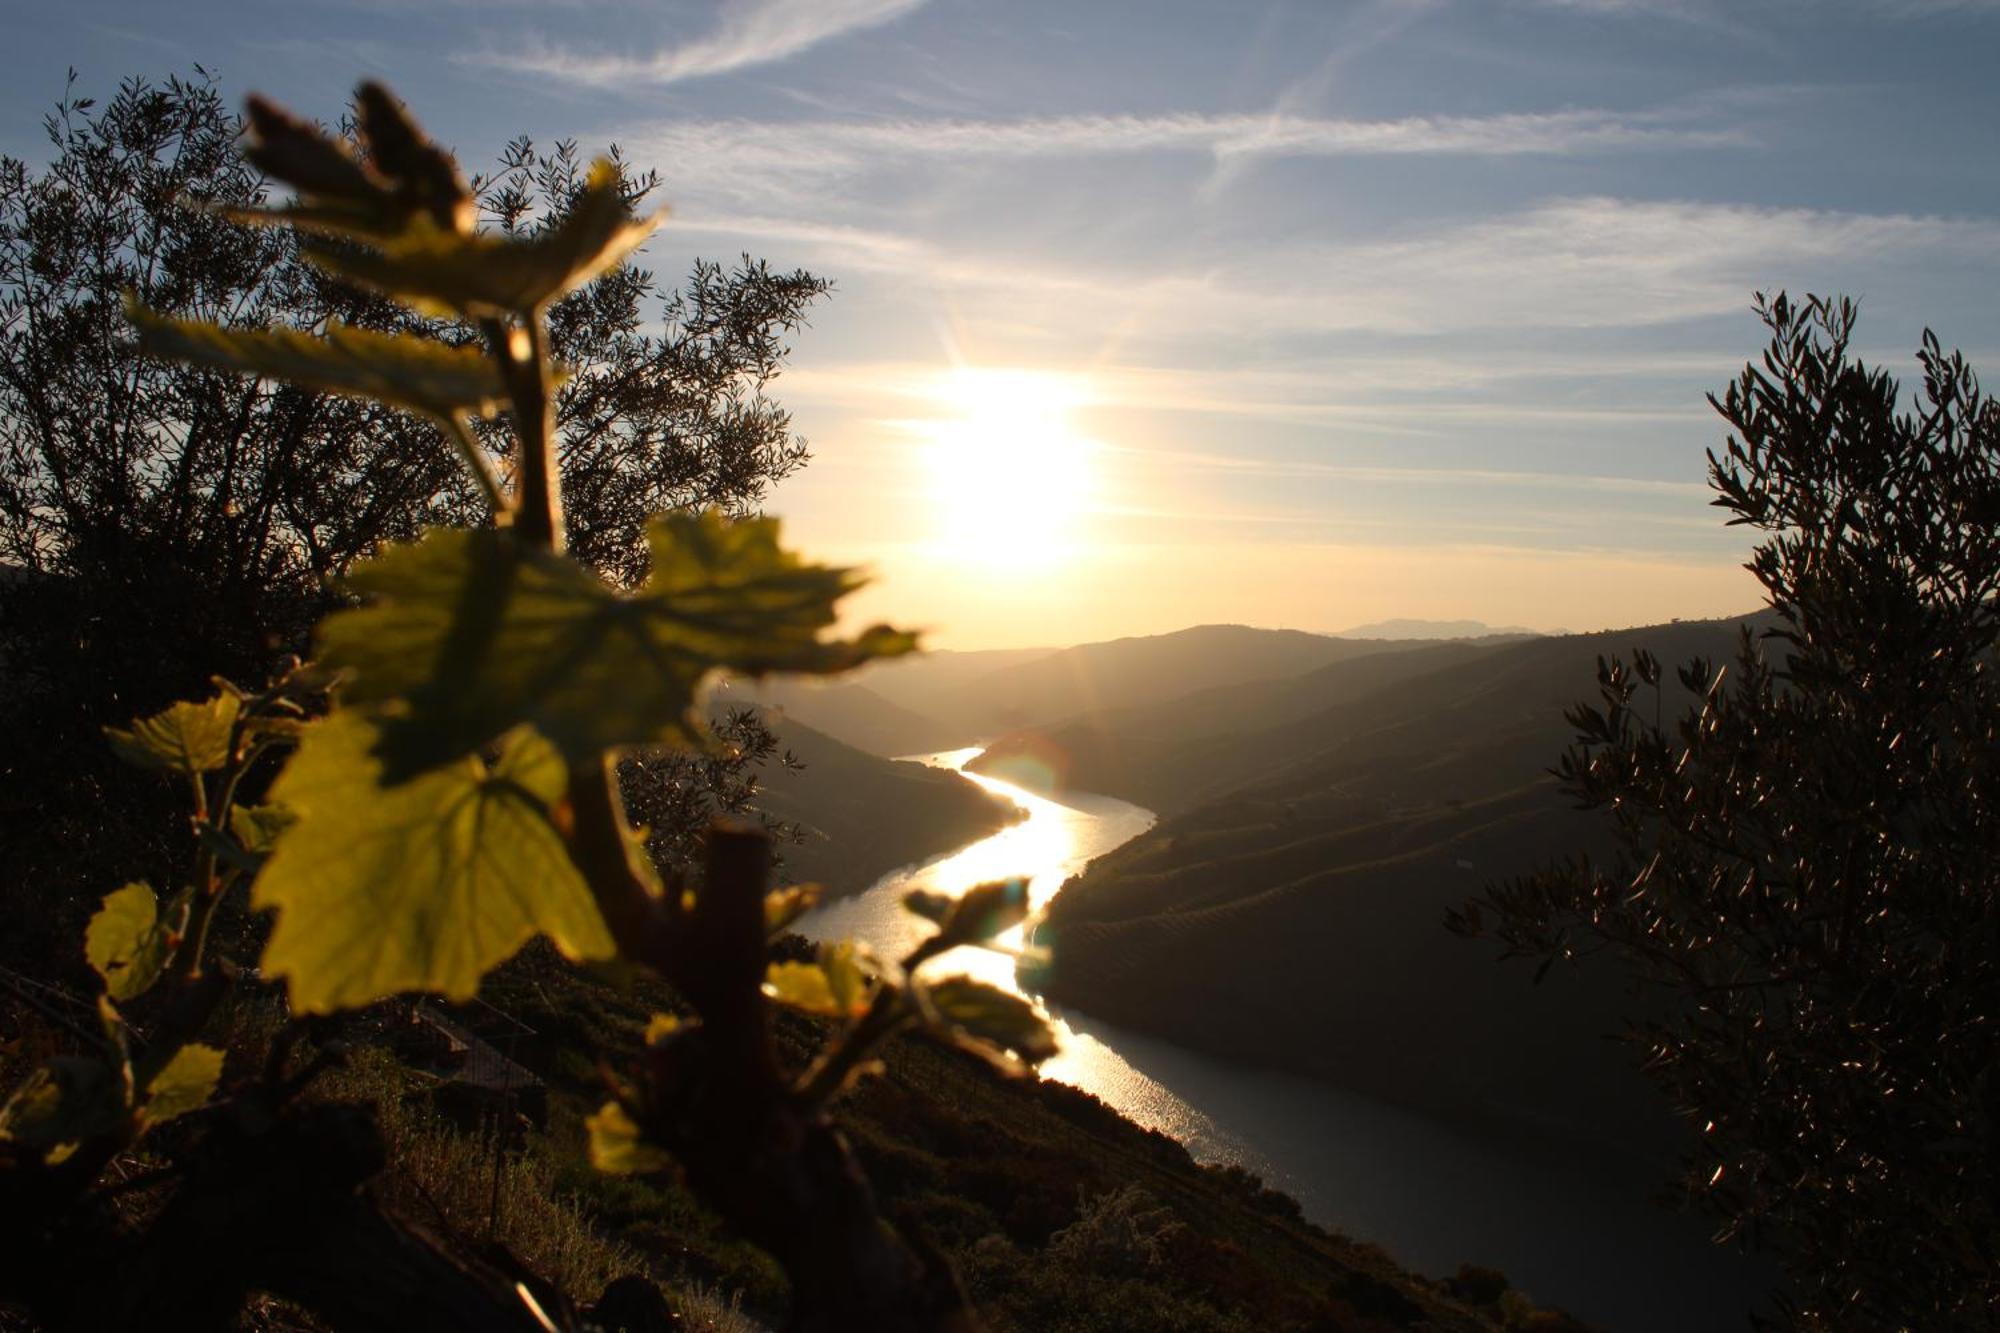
<point x="1010" y="477"/>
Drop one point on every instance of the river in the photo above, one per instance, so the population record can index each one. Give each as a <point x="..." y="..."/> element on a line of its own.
<point x="1430" y="1195"/>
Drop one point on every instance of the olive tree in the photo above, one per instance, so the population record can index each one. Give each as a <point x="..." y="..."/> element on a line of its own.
<point x="1809" y="860"/>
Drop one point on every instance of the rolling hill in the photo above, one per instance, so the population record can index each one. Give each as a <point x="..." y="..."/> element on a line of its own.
<point x="1289" y="910"/>
<point x="864" y="816"/>
<point x="945" y="700"/>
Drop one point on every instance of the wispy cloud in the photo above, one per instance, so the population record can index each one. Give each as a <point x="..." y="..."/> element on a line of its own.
<point x="752" y="158"/>
<point x="746" y="33"/>
<point x="1587" y="263"/>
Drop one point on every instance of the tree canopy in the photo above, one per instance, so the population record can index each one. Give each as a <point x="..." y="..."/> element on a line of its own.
<point x="1807" y="859"/>
<point x="162" y="522"/>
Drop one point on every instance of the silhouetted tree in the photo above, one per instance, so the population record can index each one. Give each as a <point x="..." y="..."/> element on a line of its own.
<point x="1810" y="859"/>
<point x="161" y="523"/>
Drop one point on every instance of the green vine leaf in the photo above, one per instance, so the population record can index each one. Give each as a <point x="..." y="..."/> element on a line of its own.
<point x="992" y="1017"/>
<point x="185" y="738"/>
<point x="473" y="632"/>
<point x="834" y="987"/>
<point x="446" y="271"/>
<point x="184" y="1083"/>
<point x="784" y="906"/>
<point x="394" y="368"/>
<point x="424" y="885"/>
<point x="126" y="942"/>
<point x="980" y="913"/>
<point x="64" y="1102"/>
<point x="615" y="1146"/>
<point x="257" y="827"/>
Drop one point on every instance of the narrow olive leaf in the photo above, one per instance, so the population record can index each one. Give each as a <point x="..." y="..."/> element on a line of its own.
<point x="480" y="274"/>
<point x="784" y="906"/>
<point x="184" y="1083"/>
<point x="616" y="1148"/>
<point x="993" y="1016"/>
<point x="185" y="738"/>
<point x="473" y="632"/>
<point x="64" y="1102"/>
<point x="420" y="886"/>
<point x="127" y="942"/>
<point x="394" y="368"/>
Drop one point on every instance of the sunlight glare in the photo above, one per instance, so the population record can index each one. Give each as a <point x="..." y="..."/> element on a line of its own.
<point x="1009" y="474"/>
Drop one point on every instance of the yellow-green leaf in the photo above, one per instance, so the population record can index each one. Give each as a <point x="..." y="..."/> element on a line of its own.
<point x="184" y="1083"/>
<point x="615" y="1146"/>
<point x="784" y="906"/>
<point x="845" y="979"/>
<point x="127" y="942"/>
<point x="185" y="738"/>
<point x="395" y="368"/>
<point x="257" y="826"/>
<point x="993" y="1016"/>
<point x="473" y="632"/>
<point x="805" y="987"/>
<point x="423" y="885"/>
<point x="64" y="1102"/>
<point x="661" y="1026"/>
<point x="486" y="274"/>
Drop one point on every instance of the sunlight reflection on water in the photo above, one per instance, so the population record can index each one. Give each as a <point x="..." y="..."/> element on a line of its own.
<point x="1054" y="841"/>
<point x="1422" y="1189"/>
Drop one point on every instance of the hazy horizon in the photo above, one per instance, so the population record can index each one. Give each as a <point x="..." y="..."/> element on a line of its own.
<point x="1283" y="315"/>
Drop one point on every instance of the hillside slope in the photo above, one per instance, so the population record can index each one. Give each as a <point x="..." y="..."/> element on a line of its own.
<point x="1168" y="755"/>
<point x="1297" y="920"/>
<point x="864" y="816"/>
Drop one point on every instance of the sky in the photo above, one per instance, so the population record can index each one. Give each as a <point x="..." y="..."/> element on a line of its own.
<point x="1158" y="313"/>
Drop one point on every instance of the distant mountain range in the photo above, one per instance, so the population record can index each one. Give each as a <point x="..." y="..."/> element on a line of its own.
<point x="1438" y="629"/>
<point x="946" y="700"/>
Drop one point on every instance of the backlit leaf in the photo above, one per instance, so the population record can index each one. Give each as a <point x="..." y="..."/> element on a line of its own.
<point x="419" y="886"/>
<point x="984" y="911"/>
<point x="127" y="942"/>
<point x="185" y="738"/>
<point x="62" y="1103"/>
<point x="615" y="1146"/>
<point x="661" y="1026"/>
<point x="184" y="1084"/>
<point x="476" y="632"/>
<point x="845" y="978"/>
<point x="784" y="906"/>
<point x="929" y="904"/>
<point x="257" y="826"/>
<point x="486" y="274"/>
<point x="993" y="1016"/>
<point x="394" y="368"/>
<point x="808" y="988"/>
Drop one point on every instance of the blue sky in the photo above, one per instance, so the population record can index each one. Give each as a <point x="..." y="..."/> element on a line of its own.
<point x="1151" y="314"/>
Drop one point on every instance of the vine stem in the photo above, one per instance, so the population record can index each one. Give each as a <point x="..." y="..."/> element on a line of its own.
<point x="481" y="466"/>
<point x="522" y="353"/>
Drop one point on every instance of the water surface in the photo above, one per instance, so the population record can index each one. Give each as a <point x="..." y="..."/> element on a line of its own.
<point x="1429" y="1194"/>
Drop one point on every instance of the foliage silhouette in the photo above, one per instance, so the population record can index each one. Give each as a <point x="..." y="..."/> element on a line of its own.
<point x="1807" y="859"/>
<point x="161" y="522"/>
<point x="460" y="797"/>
